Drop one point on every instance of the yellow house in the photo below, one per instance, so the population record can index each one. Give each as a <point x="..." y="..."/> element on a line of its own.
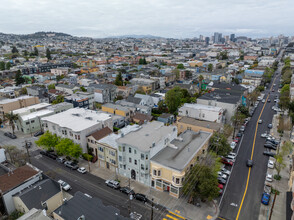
<point x="147" y="89"/>
<point x="185" y="123"/>
<point x="168" y="168"/>
<point x="106" y="154"/>
<point x="116" y="109"/>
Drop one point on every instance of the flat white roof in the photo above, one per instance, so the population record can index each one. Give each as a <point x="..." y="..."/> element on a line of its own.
<point x="36" y="114"/>
<point x="202" y="107"/>
<point x="77" y="119"/>
<point x="111" y="139"/>
<point x="36" y="106"/>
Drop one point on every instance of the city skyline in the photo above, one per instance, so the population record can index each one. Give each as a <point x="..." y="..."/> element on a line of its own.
<point x="158" y="18"/>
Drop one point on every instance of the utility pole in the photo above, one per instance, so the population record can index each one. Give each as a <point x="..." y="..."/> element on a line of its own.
<point x="151" y="217"/>
<point x="273" y="206"/>
<point x="27" y="147"/>
<point x="130" y="199"/>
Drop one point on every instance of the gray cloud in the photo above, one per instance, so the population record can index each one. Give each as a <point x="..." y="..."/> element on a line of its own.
<point x="167" y="18"/>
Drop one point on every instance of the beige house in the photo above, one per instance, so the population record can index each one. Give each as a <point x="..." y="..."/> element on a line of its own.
<point x="169" y="167"/>
<point x="187" y="123"/>
<point x="45" y="194"/>
<point x="7" y="105"/>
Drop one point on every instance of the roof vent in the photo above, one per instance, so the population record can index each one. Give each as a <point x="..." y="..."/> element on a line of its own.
<point x="89" y="118"/>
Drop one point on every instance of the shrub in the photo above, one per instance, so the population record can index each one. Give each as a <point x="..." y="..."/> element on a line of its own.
<point x="277" y="177"/>
<point x="87" y="157"/>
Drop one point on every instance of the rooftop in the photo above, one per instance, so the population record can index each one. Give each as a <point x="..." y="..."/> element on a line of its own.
<point x="205" y="124"/>
<point x="32" y="107"/>
<point x="39" y="192"/>
<point x="97" y="135"/>
<point x="202" y="107"/>
<point x="116" y="106"/>
<point x="182" y="149"/>
<point x="5" y="101"/>
<point x="9" y="181"/>
<point x="149" y="133"/>
<point x="91" y="208"/>
<point x="77" y="119"/>
<point x="36" y="114"/>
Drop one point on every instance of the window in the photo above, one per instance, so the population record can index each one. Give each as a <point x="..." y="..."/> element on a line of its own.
<point x="135" y="152"/>
<point x="120" y="166"/>
<point x="124" y="148"/>
<point x="142" y="166"/>
<point x="32" y="121"/>
<point x="75" y="136"/>
<point x="62" y="131"/>
<point x="124" y="167"/>
<point x="130" y="160"/>
<point x="135" y="162"/>
<point x="27" y="123"/>
<point x="120" y="158"/>
<point x="177" y="181"/>
<point x="53" y="127"/>
<point x="130" y="150"/>
<point x="65" y="132"/>
<point x="146" y="168"/>
<point x="119" y="148"/>
<point x="203" y="151"/>
<point x="100" y="149"/>
<point x="142" y="156"/>
<point x="71" y="134"/>
<point x="159" y="173"/>
<point x="112" y="153"/>
<point x="79" y="137"/>
<point x="154" y="172"/>
<point x="146" y="156"/>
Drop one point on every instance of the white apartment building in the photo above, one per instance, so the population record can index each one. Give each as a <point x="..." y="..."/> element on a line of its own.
<point x="76" y="124"/>
<point x="202" y="112"/>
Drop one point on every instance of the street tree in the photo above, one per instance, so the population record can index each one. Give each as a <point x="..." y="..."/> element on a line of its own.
<point x="237" y="119"/>
<point x="59" y="99"/>
<point x="8" y="66"/>
<point x="280" y="164"/>
<point x="201" y="180"/>
<point x="48" y="141"/>
<point x="218" y="143"/>
<point x="173" y="99"/>
<point x="180" y="66"/>
<point x="210" y="67"/>
<point x="10" y="117"/>
<point x="228" y="130"/>
<point x="19" y="78"/>
<point x="118" y="80"/>
<point x="51" y="86"/>
<point x="36" y="52"/>
<point x="14" y="50"/>
<point x="2" y="65"/>
<point x="67" y="147"/>
<point x="48" y="54"/>
<point x="200" y="79"/>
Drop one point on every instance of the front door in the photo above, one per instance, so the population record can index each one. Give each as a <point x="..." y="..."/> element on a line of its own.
<point x="107" y="165"/>
<point x="133" y="174"/>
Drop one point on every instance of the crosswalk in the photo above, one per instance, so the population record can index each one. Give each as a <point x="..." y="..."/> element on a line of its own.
<point x="173" y="216"/>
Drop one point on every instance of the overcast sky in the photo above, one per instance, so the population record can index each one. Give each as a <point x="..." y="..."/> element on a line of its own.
<point x="166" y="18"/>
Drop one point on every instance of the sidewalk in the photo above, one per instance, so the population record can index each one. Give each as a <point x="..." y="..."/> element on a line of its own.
<point x="206" y="211"/>
<point x="279" y="210"/>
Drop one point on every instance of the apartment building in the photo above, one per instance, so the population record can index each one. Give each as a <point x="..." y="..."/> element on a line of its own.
<point x="76" y="124"/>
<point x="136" y="148"/>
<point x="169" y="166"/>
<point x="8" y="105"/>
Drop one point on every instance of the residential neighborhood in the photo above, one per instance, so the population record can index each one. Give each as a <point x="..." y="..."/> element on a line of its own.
<point x="146" y="127"/>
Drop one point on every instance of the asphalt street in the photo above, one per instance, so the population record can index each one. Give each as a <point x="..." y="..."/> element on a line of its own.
<point x="232" y="199"/>
<point x="92" y="185"/>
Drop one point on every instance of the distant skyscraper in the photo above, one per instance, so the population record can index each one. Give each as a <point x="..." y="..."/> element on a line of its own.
<point x="217" y="38"/>
<point x="201" y="37"/>
<point x="232" y="37"/>
<point x="207" y="40"/>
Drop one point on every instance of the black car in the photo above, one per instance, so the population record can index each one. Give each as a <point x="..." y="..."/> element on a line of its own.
<point x="239" y="135"/>
<point x="38" y="133"/>
<point x="52" y="155"/>
<point x="43" y="153"/>
<point x="268" y="153"/>
<point x="141" y="197"/>
<point x="249" y="163"/>
<point x="10" y="135"/>
<point x="127" y="190"/>
<point x="275" y="142"/>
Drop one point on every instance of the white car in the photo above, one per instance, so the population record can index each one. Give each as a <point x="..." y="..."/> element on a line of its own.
<point x="65" y="186"/>
<point x="232" y="154"/>
<point x="82" y="170"/>
<point x="259" y="98"/>
<point x="222" y="175"/>
<point x="270" y="164"/>
<point x="225" y="171"/>
<point x="233" y="145"/>
<point x="264" y="135"/>
<point x="231" y="157"/>
<point x="263" y="101"/>
<point x="269" y="177"/>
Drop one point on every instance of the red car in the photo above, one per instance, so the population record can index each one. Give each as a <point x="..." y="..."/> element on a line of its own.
<point x="226" y="161"/>
<point x="236" y="140"/>
<point x="221" y="186"/>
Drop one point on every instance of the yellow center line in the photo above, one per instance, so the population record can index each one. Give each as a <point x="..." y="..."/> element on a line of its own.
<point x="252" y="152"/>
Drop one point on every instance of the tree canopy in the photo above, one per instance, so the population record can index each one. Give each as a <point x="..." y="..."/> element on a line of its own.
<point x="48" y="141"/>
<point x="180" y="66"/>
<point x="118" y="80"/>
<point x="218" y="143"/>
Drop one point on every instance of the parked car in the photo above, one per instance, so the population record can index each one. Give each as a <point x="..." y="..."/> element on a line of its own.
<point x="222" y="175"/>
<point x="273" y="141"/>
<point x="52" y="155"/>
<point x="65" y="186"/>
<point x="249" y="163"/>
<point x="61" y="159"/>
<point x="236" y="140"/>
<point x="270" y="164"/>
<point x="230" y="157"/>
<point x="226" y="161"/>
<point x="38" y="133"/>
<point x="141" y="197"/>
<point x="269" y="153"/>
<point x="221" y="186"/>
<point x="225" y="171"/>
<point x="10" y="135"/>
<point x="269" y="177"/>
<point x="233" y="145"/>
<point x="232" y="154"/>
<point x="239" y="135"/>
<point x="113" y="184"/>
<point x="264" y="135"/>
<point x="127" y="190"/>
<point x="242" y="129"/>
<point x="71" y="164"/>
<point x="82" y="170"/>
<point x="221" y="180"/>
<point x="270" y="126"/>
<point x="270" y="146"/>
<point x="265" y="198"/>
